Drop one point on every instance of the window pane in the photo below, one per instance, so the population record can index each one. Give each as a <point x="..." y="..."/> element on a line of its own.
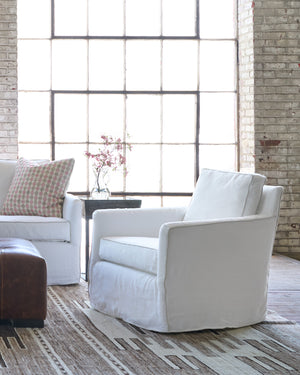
<point x="143" y="118"/>
<point x="106" y="17"/>
<point x="143" y="65"/>
<point x="217" y="18"/>
<point x="34" y="24"/>
<point x="179" y="118"/>
<point x="78" y="178"/>
<point x="217" y="66"/>
<point x="178" y="168"/>
<point x="34" y="151"/>
<point x="176" y="201"/>
<point x="144" y="168"/>
<point x="34" y="65"/>
<point x="180" y="60"/>
<point x="70" y="17"/>
<point x="218" y="157"/>
<point x="150" y="202"/>
<point x="179" y="17"/>
<point x="106" y="116"/>
<point x="70" y="118"/>
<point x="217" y="117"/>
<point x="143" y="17"/>
<point x="34" y="117"/>
<point x="106" y="65"/>
<point x="69" y="65"/>
<point x="162" y="127"/>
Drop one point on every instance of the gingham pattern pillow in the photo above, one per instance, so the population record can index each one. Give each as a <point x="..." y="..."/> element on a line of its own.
<point x="38" y="189"/>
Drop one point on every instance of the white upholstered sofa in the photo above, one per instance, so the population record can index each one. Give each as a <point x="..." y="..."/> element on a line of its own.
<point x="188" y="268"/>
<point x="57" y="239"/>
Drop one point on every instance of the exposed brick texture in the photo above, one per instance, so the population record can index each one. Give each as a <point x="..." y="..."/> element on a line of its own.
<point x="246" y="85"/>
<point x="8" y="80"/>
<point x="269" y="85"/>
<point x="276" y="31"/>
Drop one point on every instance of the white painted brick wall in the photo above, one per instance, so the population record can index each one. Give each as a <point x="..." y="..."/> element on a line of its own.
<point x="246" y="86"/>
<point x="8" y="80"/>
<point x="277" y="109"/>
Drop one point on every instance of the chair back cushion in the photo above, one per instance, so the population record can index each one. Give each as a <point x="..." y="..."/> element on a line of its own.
<point x="220" y="194"/>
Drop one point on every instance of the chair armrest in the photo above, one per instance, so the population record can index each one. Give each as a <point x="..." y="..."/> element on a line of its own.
<point x="72" y="211"/>
<point x="214" y="257"/>
<point x="142" y="222"/>
<point x="234" y="237"/>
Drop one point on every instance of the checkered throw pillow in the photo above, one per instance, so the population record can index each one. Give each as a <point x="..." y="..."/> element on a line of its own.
<point x="38" y="189"/>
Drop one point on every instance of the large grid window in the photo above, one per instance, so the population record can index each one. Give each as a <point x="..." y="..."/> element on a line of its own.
<point x="162" y="71"/>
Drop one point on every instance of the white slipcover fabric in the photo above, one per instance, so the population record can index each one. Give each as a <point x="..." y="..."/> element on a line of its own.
<point x="57" y="239"/>
<point x="210" y="273"/>
<point x="225" y="194"/>
<point x="35" y="228"/>
<point x="139" y="253"/>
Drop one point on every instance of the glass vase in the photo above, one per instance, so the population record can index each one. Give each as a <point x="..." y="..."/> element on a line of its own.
<point x="100" y="189"/>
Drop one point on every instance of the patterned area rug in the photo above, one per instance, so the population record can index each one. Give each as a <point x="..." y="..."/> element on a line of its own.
<point x="70" y="344"/>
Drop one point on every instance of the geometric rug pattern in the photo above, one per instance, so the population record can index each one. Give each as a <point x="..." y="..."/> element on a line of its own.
<point x="71" y="344"/>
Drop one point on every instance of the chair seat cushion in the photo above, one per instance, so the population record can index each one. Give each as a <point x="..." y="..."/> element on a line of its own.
<point x="37" y="228"/>
<point x="220" y="194"/>
<point x="136" y="252"/>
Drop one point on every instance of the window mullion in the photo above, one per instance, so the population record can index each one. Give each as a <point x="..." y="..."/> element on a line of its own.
<point x="124" y="88"/>
<point x="161" y="102"/>
<point x="52" y="126"/>
<point x="52" y="19"/>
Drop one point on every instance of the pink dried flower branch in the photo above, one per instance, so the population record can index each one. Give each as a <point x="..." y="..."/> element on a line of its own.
<point x="110" y="154"/>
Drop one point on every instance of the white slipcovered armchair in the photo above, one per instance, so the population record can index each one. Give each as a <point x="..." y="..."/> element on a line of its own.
<point x="184" y="269"/>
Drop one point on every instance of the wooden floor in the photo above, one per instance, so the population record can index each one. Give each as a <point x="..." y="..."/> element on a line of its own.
<point x="284" y="287"/>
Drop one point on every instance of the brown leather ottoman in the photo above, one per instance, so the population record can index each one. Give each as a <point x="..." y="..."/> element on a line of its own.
<point x="23" y="283"/>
